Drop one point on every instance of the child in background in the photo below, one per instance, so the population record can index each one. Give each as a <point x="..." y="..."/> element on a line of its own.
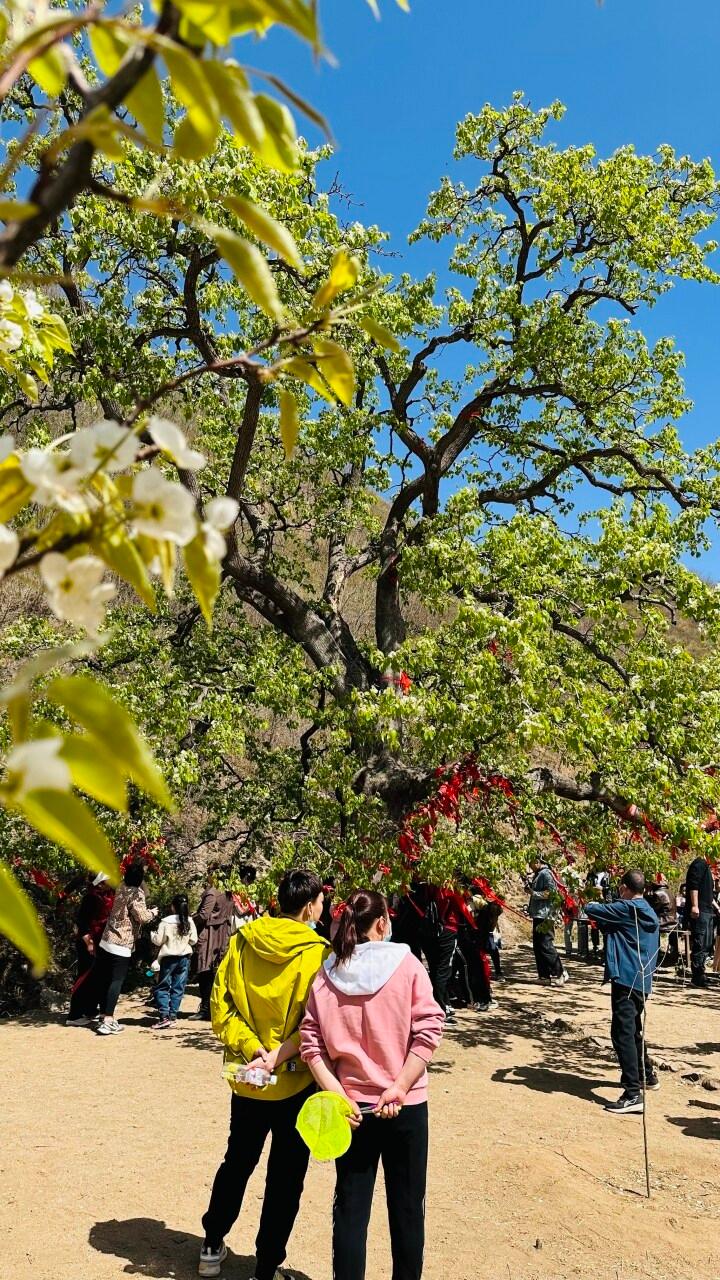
<point x="176" y="935"/>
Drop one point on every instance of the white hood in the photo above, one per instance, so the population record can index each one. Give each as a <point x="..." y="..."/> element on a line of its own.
<point x="370" y="966"/>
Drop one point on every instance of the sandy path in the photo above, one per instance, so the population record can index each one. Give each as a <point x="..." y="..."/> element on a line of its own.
<point x="109" y="1147"/>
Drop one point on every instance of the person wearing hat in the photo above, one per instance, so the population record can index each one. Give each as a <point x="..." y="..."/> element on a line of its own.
<point x="94" y="909"/>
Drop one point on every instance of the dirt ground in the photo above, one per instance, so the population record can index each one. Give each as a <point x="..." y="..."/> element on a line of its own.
<point x="109" y="1147"/>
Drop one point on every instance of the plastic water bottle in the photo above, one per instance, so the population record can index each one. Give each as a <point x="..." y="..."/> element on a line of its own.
<point x="251" y="1073"/>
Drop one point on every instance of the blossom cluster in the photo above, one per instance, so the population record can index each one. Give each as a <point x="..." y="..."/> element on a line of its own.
<point x="72" y="477"/>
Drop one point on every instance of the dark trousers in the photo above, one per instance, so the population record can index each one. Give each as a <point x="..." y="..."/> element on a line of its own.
<point x="626" y="1030"/>
<point x="701" y="943"/>
<point x="170" y="987"/>
<point x="82" y="1001"/>
<point x="402" y="1145"/>
<point x="107" y="977"/>
<point x="440" y="951"/>
<point x="205" y="986"/>
<point x="250" y="1123"/>
<point x="549" y="964"/>
<point x="476" y="968"/>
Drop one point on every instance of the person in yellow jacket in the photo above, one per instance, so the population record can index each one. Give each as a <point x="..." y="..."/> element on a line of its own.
<point x="257" y="1003"/>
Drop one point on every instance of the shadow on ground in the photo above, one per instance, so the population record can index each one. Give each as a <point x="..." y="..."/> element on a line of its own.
<point x="550" y="1080"/>
<point x="152" y="1249"/>
<point x="703" y="1126"/>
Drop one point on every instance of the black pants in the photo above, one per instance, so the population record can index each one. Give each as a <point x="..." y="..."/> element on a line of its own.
<point x="549" y="964"/>
<point x="701" y="944"/>
<point x="107" y="977"/>
<point x="205" y="986"/>
<point x="626" y="1033"/>
<point x="250" y="1123"/>
<point x="402" y="1145"/>
<point x="82" y="998"/>
<point x="440" y="951"/>
<point x="476" y="968"/>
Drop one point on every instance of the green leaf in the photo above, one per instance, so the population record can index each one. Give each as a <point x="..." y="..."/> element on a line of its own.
<point x="380" y="334"/>
<point x="196" y="135"/>
<point x="250" y="268"/>
<point x="109" y="47"/>
<point x="17" y="210"/>
<point x="66" y="820"/>
<point x="237" y="104"/>
<point x="50" y="71"/>
<point x="90" y="705"/>
<point x="94" y="771"/>
<point x="336" y="367"/>
<point x="27" y="385"/>
<point x="203" y="575"/>
<point x="15" y="492"/>
<point x="122" y="556"/>
<point x="20" y="923"/>
<point x="302" y="105"/>
<point x="279" y="146"/>
<point x="214" y="20"/>
<point x="146" y="104"/>
<point x="343" y="275"/>
<point x="266" y="228"/>
<point x="289" y="422"/>
<point x="306" y="372"/>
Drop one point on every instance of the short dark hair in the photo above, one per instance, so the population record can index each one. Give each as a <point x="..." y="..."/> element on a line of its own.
<point x="135" y="873"/>
<point x="634" y="880"/>
<point x="296" y="889"/>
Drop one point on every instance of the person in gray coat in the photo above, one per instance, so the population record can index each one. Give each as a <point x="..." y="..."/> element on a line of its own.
<point x="541" y="909"/>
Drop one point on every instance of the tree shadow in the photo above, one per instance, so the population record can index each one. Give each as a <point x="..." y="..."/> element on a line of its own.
<point x="699" y="1126"/>
<point x="150" y="1248"/>
<point x="550" y="1080"/>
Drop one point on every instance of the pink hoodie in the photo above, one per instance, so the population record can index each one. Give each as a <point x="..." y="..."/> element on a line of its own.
<point x="365" y="1016"/>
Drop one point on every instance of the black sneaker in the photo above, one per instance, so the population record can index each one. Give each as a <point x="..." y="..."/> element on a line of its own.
<point x="627" y="1104"/>
<point x="652" y="1081"/>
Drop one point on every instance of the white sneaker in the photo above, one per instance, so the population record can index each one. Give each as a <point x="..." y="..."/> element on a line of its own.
<point x="211" y="1260"/>
<point x="109" y="1028"/>
<point x="485" y="1007"/>
<point x="560" y="982"/>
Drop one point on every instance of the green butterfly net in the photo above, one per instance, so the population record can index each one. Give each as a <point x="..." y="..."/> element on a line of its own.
<point x="323" y="1125"/>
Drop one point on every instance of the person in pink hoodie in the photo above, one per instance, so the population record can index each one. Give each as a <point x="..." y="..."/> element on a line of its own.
<point x="370" y="1029"/>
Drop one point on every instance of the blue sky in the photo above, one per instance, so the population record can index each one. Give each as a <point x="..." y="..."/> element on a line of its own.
<point x="639" y="71"/>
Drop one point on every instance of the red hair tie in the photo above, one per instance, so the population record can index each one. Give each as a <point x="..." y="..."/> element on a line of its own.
<point x="340" y="910"/>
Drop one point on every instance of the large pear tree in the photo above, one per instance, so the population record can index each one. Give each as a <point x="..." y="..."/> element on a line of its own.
<point x="458" y="615"/>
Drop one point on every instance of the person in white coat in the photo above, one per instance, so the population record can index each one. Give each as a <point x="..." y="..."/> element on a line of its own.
<point x="176" y="935"/>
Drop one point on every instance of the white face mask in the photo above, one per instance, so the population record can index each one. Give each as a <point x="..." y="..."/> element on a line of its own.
<point x="311" y="924"/>
<point x="388" y="935"/>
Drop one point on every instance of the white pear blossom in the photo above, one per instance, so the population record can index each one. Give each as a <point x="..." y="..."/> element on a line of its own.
<point x="76" y="592"/>
<point x="105" y="445"/>
<point x="33" y="306"/>
<point x="36" y="766"/>
<point x="7" y="293"/>
<point x="8" y="445"/>
<point x="11" y="335"/>
<point x="55" y="479"/>
<point x="171" y="440"/>
<point x="163" y="509"/>
<point x="220" y="514"/>
<point x="9" y="547"/>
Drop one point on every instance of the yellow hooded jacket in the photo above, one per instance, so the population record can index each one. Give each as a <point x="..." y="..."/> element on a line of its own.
<point x="259" y="997"/>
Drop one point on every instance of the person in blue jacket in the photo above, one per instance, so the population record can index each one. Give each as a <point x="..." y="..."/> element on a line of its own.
<point x="632" y="943"/>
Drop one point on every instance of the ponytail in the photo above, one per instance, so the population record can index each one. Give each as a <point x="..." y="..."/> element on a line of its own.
<point x="182" y="911"/>
<point x="355" y="918"/>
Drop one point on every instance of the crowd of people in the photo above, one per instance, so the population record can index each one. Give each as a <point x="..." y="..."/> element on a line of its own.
<point x="352" y="999"/>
